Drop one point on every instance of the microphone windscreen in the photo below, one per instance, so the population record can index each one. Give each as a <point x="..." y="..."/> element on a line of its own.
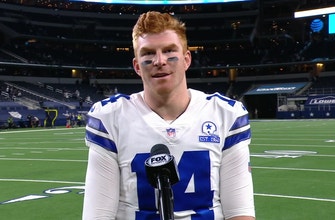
<point x="161" y="163"/>
<point x="159" y="149"/>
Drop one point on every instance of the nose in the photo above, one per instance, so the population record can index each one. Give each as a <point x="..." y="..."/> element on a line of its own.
<point x="159" y="59"/>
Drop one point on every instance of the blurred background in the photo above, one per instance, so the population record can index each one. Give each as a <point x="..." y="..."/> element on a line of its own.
<point x="59" y="57"/>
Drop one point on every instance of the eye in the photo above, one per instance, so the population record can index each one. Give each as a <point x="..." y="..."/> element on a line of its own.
<point x="147" y="53"/>
<point x="169" y="51"/>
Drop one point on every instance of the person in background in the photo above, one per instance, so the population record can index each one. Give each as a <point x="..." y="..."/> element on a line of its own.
<point x="208" y="134"/>
<point x="79" y="120"/>
<point x="10" y="122"/>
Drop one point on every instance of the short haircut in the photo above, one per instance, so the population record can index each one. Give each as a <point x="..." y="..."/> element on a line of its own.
<point x="153" y="22"/>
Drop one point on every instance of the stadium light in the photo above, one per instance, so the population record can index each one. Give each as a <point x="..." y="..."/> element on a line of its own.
<point x="314" y="12"/>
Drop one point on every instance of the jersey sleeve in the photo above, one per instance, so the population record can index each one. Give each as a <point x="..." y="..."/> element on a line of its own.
<point x="239" y="129"/>
<point x="236" y="186"/>
<point x="97" y="132"/>
<point x="101" y="185"/>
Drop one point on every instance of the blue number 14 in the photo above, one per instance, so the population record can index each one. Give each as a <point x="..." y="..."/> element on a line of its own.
<point x="192" y="192"/>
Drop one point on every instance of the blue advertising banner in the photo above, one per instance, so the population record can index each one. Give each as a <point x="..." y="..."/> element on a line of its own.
<point x="321" y="100"/>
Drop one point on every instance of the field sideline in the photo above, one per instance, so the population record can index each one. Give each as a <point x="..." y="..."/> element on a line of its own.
<point x="293" y="165"/>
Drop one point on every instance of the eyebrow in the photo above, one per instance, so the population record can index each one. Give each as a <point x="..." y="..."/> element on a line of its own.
<point x="144" y="49"/>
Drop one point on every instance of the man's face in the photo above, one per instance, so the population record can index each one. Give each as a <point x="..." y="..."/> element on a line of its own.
<point x="161" y="62"/>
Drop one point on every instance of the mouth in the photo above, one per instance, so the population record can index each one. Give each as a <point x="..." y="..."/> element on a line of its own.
<point x="160" y="75"/>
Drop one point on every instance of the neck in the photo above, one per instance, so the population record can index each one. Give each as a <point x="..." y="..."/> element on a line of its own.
<point x="169" y="107"/>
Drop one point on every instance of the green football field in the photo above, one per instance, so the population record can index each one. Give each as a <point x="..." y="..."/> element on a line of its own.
<point x="293" y="164"/>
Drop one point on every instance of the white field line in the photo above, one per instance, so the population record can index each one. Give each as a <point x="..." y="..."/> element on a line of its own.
<point x="320" y="155"/>
<point x="291" y="145"/>
<point x="41" y="148"/>
<point x="45" y="159"/>
<point x="296" y="138"/>
<point x="293" y="169"/>
<point x="256" y="194"/>
<point x="254" y="167"/>
<point x="44" y="130"/>
<point x="294" y="197"/>
<point x="305" y="155"/>
<point x="40" y="181"/>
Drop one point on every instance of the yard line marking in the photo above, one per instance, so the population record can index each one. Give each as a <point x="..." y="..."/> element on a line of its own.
<point x="267" y="155"/>
<point x="41" y="148"/>
<point x="41" y="181"/>
<point x="293" y="169"/>
<point x="320" y="155"/>
<point x="289" y="152"/>
<point x="39" y="130"/>
<point x="320" y="138"/>
<point x="50" y="160"/>
<point x="295" y="197"/>
<point x="64" y="133"/>
<point x="291" y="145"/>
<point x="36" y="152"/>
<point x="18" y="154"/>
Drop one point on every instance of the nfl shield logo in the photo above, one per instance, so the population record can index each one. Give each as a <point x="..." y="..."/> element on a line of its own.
<point x="171" y="132"/>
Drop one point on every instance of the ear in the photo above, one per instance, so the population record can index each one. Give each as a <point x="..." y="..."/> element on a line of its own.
<point x="136" y="67"/>
<point x="187" y="59"/>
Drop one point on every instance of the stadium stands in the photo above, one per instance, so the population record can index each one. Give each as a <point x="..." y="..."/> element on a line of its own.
<point x="51" y="49"/>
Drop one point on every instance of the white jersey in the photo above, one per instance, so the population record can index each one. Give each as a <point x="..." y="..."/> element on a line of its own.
<point x="209" y="142"/>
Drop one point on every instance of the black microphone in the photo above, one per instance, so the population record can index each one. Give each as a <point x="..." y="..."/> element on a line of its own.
<point x="162" y="172"/>
<point x="161" y="163"/>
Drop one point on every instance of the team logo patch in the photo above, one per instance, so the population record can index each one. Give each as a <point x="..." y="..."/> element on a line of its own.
<point x="209" y="129"/>
<point x="171" y="132"/>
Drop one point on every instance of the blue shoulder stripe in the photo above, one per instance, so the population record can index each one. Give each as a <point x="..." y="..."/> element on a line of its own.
<point x="96" y="124"/>
<point x="240" y="122"/>
<point x="230" y="102"/>
<point x="114" y="98"/>
<point x="236" y="138"/>
<point x="101" y="141"/>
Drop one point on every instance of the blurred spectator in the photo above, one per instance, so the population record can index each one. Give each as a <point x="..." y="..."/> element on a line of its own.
<point x="79" y="120"/>
<point x="77" y="94"/>
<point x="10" y="122"/>
<point x="81" y="101"/>
<point x="35" y="122"/>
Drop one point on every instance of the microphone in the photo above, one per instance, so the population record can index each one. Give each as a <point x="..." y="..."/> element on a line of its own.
<point x="162" y="172"/>
<point x="161" y="163"/>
